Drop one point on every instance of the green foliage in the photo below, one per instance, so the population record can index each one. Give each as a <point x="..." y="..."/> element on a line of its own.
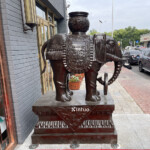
<point x="93" y="31"/>
<point x="128" y="34"/>
<point x="125" y="35"/>
<point x="108" y="33"/>
<point x="74" y="79"/>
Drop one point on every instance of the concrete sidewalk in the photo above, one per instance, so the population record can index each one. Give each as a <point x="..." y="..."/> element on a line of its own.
<point x="132" y="124"/>
<point x="136" y="86"/>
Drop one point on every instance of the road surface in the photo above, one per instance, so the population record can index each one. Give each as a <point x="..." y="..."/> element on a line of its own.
<point x="144" y="74"/>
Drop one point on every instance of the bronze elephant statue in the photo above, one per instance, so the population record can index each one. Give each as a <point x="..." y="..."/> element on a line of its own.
<point x="80" y="53"/>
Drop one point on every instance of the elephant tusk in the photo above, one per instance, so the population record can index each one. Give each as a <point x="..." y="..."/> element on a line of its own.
<point x="114" y="58"/>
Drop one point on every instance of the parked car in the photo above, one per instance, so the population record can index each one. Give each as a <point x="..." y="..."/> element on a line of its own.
<point x="144" y="61"/>
<point x="132" y="56"/>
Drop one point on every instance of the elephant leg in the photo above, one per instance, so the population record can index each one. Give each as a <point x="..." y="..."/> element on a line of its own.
<point x="60" y="76"/>
<point x="91" y="77"/>
<point x="69" y="92"/>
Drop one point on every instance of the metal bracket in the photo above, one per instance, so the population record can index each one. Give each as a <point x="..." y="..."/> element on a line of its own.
<point x="25" y="27"/>
<point x="74" y="144"/>
<point x="33" y="146"/>
<point x="115" y="146"/>
<point x="105" y="83"/>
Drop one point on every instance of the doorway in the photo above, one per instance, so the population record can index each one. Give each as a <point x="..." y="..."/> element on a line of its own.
<point x="7" y="125"/>
<point x="4" y="140"/>
<point x="46" y="28"/>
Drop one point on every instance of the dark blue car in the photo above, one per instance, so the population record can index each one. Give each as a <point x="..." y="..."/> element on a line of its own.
<point x="144" y="61"/>
<point x="133" y="56"/>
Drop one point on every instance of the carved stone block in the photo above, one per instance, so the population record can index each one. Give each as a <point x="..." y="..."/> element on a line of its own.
<point x="61" y="123"/>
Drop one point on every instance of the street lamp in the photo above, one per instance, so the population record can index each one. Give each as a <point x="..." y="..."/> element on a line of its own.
<point x="67" y="16"/>
<point x="112" y="17"/>
<point x="68" y="4"/>
<point x="100" y="23"/>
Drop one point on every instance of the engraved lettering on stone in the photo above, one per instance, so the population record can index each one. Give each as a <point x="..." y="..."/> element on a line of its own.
<point x="80" y="109"/>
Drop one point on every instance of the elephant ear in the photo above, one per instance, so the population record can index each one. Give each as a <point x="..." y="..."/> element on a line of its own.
<point x="100" y="48"/>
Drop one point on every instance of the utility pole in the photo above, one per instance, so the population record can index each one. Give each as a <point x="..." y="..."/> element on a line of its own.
<point x="112" y="18"/>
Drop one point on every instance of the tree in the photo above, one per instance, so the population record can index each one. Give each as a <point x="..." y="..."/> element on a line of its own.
<point x="93" y="31"/>
<point x="129" y="34"/>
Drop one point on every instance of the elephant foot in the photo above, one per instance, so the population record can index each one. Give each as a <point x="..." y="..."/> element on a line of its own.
<point x="97" y="93"/>
<point x="63" y="98"/>
<point x="70" y="93"/>
<point x="93" y="98"/>
<point x="98" y="98"/>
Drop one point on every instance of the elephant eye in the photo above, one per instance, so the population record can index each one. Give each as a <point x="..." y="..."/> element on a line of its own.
<point x="112" y="43"/>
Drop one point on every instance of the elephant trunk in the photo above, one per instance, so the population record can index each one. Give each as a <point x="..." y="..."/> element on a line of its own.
<point x="118" y="65"/>
<point x="43" y="56"/>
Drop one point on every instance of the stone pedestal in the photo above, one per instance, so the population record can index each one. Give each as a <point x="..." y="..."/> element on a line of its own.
<point x="62" y="123"/>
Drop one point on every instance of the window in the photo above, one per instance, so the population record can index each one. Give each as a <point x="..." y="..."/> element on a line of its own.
<point x="51" y="31"/>
<point x="50" y="17"/>
<point x="40" y="11"/>
<point x="146" y="52"/>
<point x="148" y="45"/>
<point x="55" y="28"/>
<point x="149" y="53"/>
<point x="126" y="53"/>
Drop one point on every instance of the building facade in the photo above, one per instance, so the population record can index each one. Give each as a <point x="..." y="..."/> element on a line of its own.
<point x="145" y="39"/>
<point x="21" y="81"/>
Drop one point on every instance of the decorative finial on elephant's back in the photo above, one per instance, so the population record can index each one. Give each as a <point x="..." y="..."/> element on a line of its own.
<point x="78" y="22"/>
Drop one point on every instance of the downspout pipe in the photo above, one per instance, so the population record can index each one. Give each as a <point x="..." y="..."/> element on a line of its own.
<point x="25" y="27"/>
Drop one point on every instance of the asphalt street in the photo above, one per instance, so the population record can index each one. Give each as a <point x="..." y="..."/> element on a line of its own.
<point x="145" y="74"/>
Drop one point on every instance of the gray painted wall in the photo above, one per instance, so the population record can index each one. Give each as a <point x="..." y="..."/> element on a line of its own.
<point x="22" y="55"/>
<point x="23" y="62"/>
<point x="59" y="8"/>
<point x="62" y="23"/>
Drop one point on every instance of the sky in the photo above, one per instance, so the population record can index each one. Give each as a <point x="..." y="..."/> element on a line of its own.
<point x="125" y="13"/>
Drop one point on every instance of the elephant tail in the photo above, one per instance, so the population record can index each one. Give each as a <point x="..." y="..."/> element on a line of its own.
<point x="116" y="73"/>
<point x="43" y="56"/>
